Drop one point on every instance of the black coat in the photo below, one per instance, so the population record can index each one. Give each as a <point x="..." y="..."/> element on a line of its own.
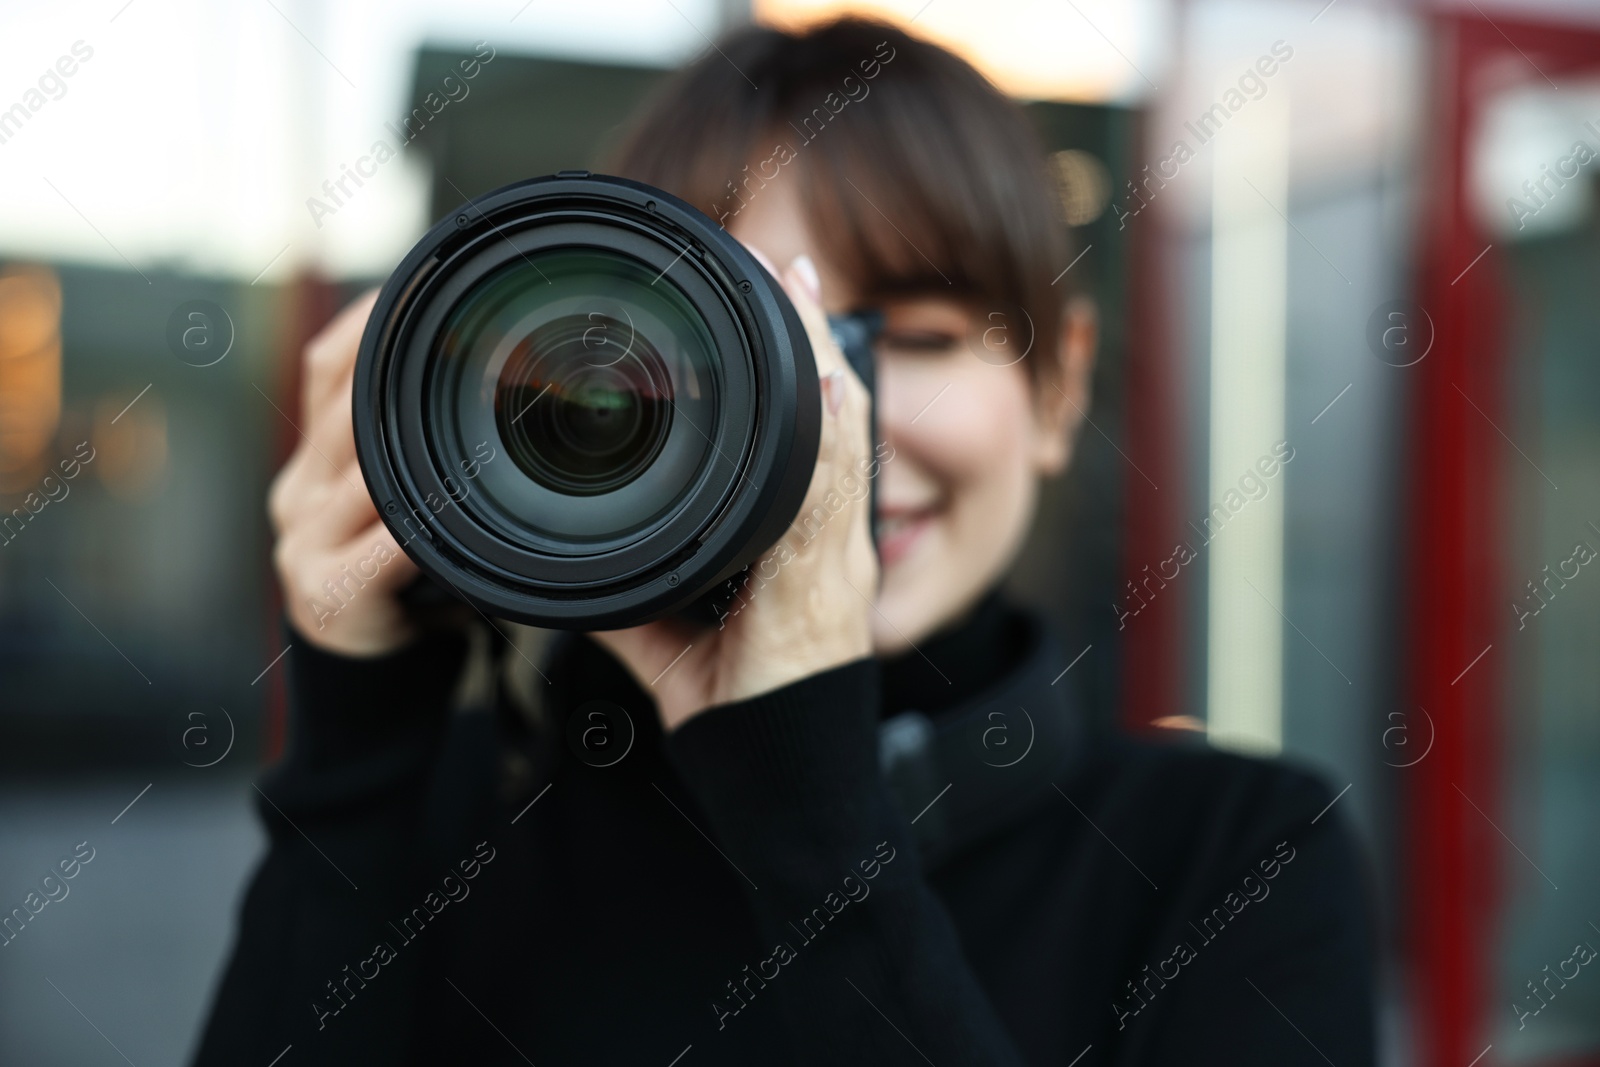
<point x="792" y="879"/>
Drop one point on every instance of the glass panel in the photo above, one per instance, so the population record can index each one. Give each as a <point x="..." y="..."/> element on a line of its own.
<point x="1531" y="151"/>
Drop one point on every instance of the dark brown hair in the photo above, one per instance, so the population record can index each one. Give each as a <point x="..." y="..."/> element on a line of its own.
<point x="917" y="175"/>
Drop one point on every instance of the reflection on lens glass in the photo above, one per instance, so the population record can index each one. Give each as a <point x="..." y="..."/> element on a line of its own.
<point x="578" y="417"/>
<point x="599" y="380"/>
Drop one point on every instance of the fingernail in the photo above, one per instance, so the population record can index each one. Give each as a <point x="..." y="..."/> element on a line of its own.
<point x="761" y="258"/>
<point x="833" y="390"/>
<point x="808" y="274"/>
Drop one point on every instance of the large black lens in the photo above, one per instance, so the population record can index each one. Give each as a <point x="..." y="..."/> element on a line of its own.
<point x="580" y="403"/>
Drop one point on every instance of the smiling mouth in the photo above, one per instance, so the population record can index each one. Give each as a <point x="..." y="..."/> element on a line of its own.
<point x="898" y="530"/>
<point x="890" y="525"/>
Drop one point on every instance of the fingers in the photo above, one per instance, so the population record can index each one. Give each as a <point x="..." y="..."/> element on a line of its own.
<point x="331" y="427"/>
<point x="311" y="491"/>
<point x="835" y="499"/>
<point x="326" y="450"/>
<point x="309" y="482"/>
<point x="340" y="567"/>
<point x="651" y="650"/>
<point x="344" y="600"/>
<point x="762" y="258"/>
<point x="370" y="563"/>
<point x="376" y="557"/>
<point x="803" y="286"/>
<point x="805" y="292"/>
<point x="335" y="511"/>
<point x="844" y="398"/>
<point x="330" y="356"/>
<point x="319" y="518"/>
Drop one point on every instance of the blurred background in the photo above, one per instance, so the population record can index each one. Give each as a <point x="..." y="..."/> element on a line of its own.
<point x="1377" y="261"/>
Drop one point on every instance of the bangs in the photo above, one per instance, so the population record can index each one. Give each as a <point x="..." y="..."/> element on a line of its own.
<point x="917" y="176"/>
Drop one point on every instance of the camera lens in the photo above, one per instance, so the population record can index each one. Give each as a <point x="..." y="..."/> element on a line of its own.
<point x="579" y="403"/>
<point x="594" y="377"/>
<point x="603" y="424"/>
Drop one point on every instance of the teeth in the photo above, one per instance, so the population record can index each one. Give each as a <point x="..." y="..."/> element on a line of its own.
<point x="888" y="527"/>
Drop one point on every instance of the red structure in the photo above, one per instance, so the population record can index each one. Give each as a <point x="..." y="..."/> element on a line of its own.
<point x="1453" y="663"/>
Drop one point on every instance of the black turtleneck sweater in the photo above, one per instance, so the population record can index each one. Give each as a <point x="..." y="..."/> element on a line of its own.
<point x="933" y="859"/>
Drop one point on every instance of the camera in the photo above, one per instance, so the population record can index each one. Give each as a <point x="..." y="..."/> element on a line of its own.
<point x="580" y="404"/>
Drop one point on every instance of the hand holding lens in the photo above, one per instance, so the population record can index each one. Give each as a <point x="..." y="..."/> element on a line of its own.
<point x="645" y="389"/>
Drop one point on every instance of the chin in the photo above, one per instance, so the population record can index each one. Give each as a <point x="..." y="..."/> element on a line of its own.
<point x="887" y="640"/>
<point x="909" y="606"/>
<point x="932" y="581"/>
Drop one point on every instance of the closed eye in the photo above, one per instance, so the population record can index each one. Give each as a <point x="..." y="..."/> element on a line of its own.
<point x="918" y="342"/>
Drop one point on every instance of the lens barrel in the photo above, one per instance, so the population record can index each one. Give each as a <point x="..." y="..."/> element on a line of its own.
<point x="580" y="404"/>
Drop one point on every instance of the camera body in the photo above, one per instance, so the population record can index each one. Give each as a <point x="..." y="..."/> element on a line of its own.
<point x="580" y="404"/>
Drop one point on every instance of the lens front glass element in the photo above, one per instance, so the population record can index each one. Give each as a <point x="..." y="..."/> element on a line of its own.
<point x="606" y="409"/>
<point x="591" y="381"/>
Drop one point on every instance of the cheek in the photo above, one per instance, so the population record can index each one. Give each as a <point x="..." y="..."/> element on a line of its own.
<point x="976" y="440"/>
<point x="973" y="450"/>
<point x="990" y="486"/>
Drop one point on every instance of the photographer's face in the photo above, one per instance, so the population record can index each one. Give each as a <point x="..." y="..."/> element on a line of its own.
<point x="970" y="437"/>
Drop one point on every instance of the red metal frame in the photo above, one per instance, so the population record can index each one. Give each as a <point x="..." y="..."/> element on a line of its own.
<point x="1152" y="645"/>
<point x="1453" y="540"/>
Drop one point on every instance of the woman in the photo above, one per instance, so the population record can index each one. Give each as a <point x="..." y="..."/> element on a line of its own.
<point x="808" y="843"/>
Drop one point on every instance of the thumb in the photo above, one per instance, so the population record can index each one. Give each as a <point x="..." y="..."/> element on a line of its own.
<point x="762" y="258"/>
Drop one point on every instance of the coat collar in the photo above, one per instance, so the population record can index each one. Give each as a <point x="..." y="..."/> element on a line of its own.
<point x="959" y="775"/>
<point x="966" y="773"/>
